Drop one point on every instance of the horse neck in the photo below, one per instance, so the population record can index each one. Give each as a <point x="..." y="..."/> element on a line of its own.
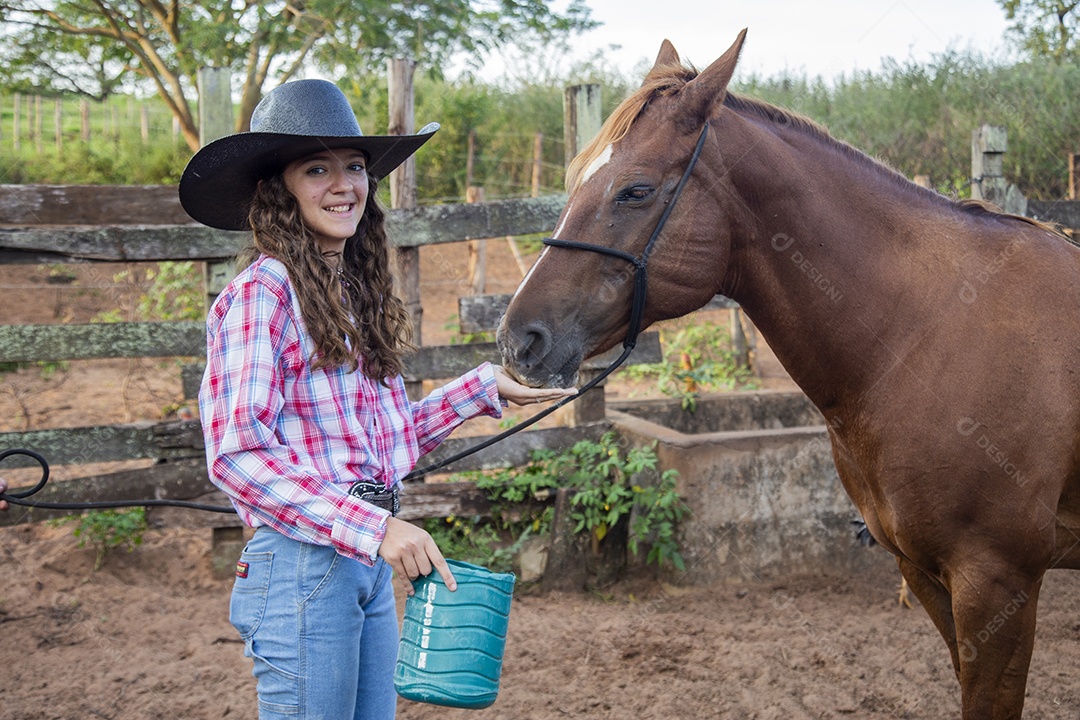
<point x="829" y="249"/>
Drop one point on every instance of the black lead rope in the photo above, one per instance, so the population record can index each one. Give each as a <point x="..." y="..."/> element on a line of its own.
<point x="637" y="312"/>
<point x="17" y="498"/>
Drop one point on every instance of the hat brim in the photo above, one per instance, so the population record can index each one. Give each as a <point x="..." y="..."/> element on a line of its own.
<point x="219" y="182"/>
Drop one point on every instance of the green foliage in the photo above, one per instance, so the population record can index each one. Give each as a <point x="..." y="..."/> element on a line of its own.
<point x="475" y="541"/>
<point x="606" y="493"/>
<point x="608" y="480"/>
<point x="918" y="118"/>
<point x="94" y="48"/>
<point x="697" y="358"/>
<point x="459" y="338"/>
<point x="1045" y="29"/>
<point x="114" y="154"/>
<point x="106" y="530"/>
<point x="175" y="293"/>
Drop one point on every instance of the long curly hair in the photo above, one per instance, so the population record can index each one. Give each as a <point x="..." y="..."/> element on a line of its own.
<point x="354" y="320"/>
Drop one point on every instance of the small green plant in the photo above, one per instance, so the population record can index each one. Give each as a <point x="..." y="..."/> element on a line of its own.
<point x="175" y="293"/>
<point x="462" y="338"/>
<point x="107" y="529"/>
<point x="697" y="358"/>
<point x="606" y="494"/>
<point x="608" y="491"/>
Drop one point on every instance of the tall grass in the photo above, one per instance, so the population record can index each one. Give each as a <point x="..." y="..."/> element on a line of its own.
<point x="114" y="152"/>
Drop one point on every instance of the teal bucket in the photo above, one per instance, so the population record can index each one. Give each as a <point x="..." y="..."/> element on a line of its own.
<point x="452" y="643"/>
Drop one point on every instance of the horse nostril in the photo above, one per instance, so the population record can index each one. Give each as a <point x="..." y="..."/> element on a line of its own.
<point x="535" y="345"/>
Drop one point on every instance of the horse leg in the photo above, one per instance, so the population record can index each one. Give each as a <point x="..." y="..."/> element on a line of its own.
<point x="995" y="631"/>
<point x="938" y="604"/>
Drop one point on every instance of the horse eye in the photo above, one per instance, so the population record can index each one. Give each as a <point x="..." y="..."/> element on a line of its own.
<point x="633" y="194"/>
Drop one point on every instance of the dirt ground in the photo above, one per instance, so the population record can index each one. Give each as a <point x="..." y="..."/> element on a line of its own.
<point x="147" y="636"/>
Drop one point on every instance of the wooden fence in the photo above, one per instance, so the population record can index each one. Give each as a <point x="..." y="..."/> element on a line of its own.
<point x="124" y="224"/>
<point x="176" y="447"/>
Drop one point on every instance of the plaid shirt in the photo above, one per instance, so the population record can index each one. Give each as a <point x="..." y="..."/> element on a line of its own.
<point x="285" y="441"/>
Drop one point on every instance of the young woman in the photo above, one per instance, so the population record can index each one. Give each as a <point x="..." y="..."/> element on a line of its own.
<point x="307" y="425"/>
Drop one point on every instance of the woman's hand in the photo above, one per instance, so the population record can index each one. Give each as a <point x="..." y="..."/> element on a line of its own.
<point x="412" y="553"/>
<point x="3" y="489"/>
<point x="510" y="389"/>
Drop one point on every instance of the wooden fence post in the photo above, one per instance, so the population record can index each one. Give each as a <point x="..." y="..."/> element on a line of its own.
<point x="582" y="117"/>
<point x="988" y="145"/>
<point x="15" y="129"/>
<point x="1074" y="174"/>
<point x="39" y="123"/>
<point x="215" y="121"/>
<point x="58" y="125"/>
<point x="477" y="268"/>
<point x="84" y="120"/>
<point x="399" y="83"/>
<point x="538" y="164"/>
<point x="399" y="86"/>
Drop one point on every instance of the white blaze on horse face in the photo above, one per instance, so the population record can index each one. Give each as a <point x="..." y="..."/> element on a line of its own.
<point x="543" y="252"/>
<point x="601" y="160"/>
<point x="531" y="271"/>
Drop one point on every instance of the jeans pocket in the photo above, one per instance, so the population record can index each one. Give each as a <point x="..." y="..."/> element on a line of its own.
<point x="315" y="570"/>
<point x="247" y="606"/>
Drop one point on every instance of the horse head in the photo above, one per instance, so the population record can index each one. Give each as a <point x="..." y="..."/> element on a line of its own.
<point x="577" y="302"/>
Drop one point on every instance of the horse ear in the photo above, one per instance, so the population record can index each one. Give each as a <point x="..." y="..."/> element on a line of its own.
<point x="709" y="88"/>
<point x="666" y="57"/>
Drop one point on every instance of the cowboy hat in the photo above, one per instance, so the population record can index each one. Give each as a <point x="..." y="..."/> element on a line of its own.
<point x="295" y="119"/>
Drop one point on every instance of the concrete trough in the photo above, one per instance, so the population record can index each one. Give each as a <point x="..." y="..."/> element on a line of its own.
<point x="757" y="476"/>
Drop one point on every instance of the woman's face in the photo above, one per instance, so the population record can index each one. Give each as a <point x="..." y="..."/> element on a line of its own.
<point x="331" y="188"/>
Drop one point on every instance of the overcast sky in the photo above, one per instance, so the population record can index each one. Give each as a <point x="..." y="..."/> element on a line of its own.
<point x="816" y="37"/>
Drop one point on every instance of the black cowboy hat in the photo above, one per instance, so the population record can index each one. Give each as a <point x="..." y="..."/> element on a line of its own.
<point x="294" y="119"/>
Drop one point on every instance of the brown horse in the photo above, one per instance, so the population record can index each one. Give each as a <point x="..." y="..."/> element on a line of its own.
<point x="940" y="340"/>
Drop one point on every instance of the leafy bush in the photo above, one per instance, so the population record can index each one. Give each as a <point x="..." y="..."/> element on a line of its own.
<point x="698" y="358"/>
<point x="106" y="530"/>
<point x="607" y="479"/>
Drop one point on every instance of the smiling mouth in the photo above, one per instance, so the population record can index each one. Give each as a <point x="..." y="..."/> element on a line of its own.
<point x="340" y="209"/>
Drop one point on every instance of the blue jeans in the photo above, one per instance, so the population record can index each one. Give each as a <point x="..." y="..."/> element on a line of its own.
<point x="320" y="627"/>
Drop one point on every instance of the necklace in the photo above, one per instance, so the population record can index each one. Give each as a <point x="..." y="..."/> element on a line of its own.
<point x="339" y="268"/>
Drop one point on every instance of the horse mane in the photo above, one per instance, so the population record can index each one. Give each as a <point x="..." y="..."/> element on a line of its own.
<point x="668" y="80"/>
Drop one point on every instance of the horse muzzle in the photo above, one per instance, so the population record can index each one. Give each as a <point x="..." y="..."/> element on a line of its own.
<point x="535" y="358"/>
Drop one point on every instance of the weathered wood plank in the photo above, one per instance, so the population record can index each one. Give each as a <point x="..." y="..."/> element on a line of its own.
<point x="429" y="225"/>
<point x="119" y="243"/>
<point x="107" y="443"/>
<point x="181" y="440"/>
<point x="32" y="343"/>
<point x="91" y="205"/>
<point x="181" y="480"/>
<point x="435" y="362"/>
<point x="482" y="313"/>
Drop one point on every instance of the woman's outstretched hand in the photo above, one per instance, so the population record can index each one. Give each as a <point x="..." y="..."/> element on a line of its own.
<point x="513" y="391"/>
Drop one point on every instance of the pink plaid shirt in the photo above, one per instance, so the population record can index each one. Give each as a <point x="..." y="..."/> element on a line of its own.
<point x="285" y="441"/>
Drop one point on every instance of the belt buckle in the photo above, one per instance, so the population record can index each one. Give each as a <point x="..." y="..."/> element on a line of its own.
<point x="377" y="494"/>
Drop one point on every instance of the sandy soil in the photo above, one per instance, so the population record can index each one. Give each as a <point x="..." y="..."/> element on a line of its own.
<point x="147" y="636"/>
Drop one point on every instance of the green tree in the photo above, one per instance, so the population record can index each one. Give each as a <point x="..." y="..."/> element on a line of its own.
<point x="47" y="42"/>
<point x="1045" y="28"/>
